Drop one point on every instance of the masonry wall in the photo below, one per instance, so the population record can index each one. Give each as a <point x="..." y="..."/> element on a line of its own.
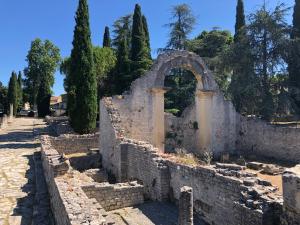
<point x="71" y="143"/>
<point x="115" y="196"/>
<point x="216" y="197"/>
<point x="259" y="138"/>
<point x="139" y="161"/>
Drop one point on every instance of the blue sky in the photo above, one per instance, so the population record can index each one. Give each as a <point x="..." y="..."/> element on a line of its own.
<point x="22" y="21"/>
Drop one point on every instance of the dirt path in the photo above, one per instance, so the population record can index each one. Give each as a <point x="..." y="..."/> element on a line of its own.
<point x="20" y="192"/>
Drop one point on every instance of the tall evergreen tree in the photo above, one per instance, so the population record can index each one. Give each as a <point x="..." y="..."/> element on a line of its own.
<point x="147" y="36"/>
<point x="82" y="79"/>
<point x="3" y="99"/>
<point x="240" y="20"/>
<point x="20" y="90"/>
<point x="139" y="50"/>
<point x="106" y="38"/>
<point x="13" y="92"/>
<point x="294" y="58"/>
<point x="243" y="86"/>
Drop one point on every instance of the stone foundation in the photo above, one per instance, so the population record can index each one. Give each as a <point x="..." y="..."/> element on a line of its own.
<point x="69" y="203"/>
<point x="71" y="144"/>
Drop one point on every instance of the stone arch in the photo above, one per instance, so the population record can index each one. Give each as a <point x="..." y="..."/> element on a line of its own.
<point x="185" y="60"/>
<point x="205" y="89"/>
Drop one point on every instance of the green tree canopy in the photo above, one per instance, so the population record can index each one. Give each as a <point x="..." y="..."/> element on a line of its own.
<point x="43" y="59"/>
<point x="211" y="47"/>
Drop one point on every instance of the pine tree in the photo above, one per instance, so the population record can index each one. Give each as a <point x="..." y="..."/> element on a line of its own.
<point x="294" y="58"/>
<point x="139" y="50"/>
<point x="13" y="92"/>
<point x="20" y="90"/>
<point x="147" y="37"/>
<point x="106" y="38"/>
<point x="82" y="77"/>
<point x="240" y="20"/>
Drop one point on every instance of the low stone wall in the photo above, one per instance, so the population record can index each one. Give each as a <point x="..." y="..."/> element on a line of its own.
<point x="69" y="204"/>
<point x="3" y="121"/>
<point x="258" y="138"/>
<point x="116" y="196"/>
<point x="59" y="125"/>
<point x="71" y="144"/>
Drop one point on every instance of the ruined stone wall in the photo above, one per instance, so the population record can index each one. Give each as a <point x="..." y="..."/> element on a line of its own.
<point x="216" y="196"/>
<point x="291" y="196"/>
<point x="69" y="204"/>
<point x="71" y="143"/>
<point x="115" y="196"/>
<point x="219" y="190"/>
<point x="139" y="161"/>
<point x="137" y="107"/>
<point x="258" y="138"/>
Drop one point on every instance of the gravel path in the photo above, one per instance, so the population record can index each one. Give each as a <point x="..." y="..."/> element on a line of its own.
<point x="20" y="192"/>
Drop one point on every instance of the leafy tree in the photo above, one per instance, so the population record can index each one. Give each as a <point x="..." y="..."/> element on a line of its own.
<point x="105" y="61"/>
<point x="140" y="61"/>
<point x="120" y="78"/>
<point x="3" y="99"/>
<point x="268" y="35"/>
<point x="43" y="59"/>
<point x="13" y="92"/>
<point x="106" y="38"/>
<point x="294" y="58"/>
<point x="20" y="90"/>
<point x="211" y="47"/>
<point x="181" y="26"/>
<point x="82" y="85"/>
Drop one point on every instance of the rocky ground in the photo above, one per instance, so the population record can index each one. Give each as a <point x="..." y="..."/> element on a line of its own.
<point x="23" y="193"/>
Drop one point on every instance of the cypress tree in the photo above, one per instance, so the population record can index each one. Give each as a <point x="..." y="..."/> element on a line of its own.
<point x="20" y="90"/>
<point x="13" y="92"/>
<point x="83" y="113"/>
<point x="147" y="37"/>
<point x="106" y="38"/>
<point x="139" y="53"/>
<point x="240" y="20"/>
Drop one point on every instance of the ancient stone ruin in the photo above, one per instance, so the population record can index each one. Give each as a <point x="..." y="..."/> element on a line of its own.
<point x="92" y="179"/>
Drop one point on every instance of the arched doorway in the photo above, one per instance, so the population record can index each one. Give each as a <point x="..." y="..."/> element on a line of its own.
<point x="205" y="87"/>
